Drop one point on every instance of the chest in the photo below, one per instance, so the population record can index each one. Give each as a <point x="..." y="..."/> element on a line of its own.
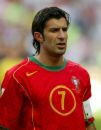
<point x="59" y="89"/>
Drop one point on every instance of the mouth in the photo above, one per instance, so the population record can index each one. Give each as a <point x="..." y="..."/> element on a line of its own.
<point x="61" y="45"/>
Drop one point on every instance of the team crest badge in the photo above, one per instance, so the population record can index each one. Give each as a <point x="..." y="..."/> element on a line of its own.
<point x="76" y="83"/>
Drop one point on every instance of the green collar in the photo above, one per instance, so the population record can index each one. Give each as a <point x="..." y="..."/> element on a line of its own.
<point x="51" y="68"/>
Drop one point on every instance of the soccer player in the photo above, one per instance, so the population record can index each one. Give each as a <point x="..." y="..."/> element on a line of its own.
<point x="46" y="91"/>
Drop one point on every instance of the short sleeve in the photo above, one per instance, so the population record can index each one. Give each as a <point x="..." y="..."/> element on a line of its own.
<point x="10" y="102"/>
<point x="87" y="90"/>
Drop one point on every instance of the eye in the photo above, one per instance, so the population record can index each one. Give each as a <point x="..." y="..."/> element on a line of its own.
<point x="64" y="29"/>
<point x="54" y="29"/>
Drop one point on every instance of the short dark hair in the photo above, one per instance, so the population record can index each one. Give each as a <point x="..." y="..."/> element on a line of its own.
<point x="42" y="17"/>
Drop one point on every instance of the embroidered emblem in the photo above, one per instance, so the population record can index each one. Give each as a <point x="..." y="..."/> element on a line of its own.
<point x="28" y="74"/>
<point x="76" y="83"/>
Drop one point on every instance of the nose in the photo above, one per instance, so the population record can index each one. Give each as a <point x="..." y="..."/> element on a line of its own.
<point x="61" y="34"/>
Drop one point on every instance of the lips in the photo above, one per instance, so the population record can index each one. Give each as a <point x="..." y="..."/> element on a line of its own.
<point x="61" y="45"/>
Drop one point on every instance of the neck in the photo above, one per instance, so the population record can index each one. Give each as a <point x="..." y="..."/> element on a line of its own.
<point x="50" y="60"/>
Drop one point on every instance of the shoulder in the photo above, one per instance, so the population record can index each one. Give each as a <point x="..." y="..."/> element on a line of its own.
<point x="13" y="75"/>
<point x="9" y="75"/>
<point x="18" y="69"/>
<point x="77" y="68"/>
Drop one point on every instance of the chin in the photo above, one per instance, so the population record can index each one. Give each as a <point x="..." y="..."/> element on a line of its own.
<point x="60" y="53"/>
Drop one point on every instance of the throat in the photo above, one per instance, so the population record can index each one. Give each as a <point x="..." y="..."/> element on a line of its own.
<point x="50" y="61"/>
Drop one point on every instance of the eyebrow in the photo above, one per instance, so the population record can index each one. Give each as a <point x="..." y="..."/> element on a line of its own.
<point x="57" y="28"/>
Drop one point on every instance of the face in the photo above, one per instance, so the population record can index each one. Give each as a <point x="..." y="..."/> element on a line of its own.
<point x="54" y="39"/>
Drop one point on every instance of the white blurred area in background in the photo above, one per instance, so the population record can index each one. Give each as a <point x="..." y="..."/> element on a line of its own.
<point x="95" y="100"/>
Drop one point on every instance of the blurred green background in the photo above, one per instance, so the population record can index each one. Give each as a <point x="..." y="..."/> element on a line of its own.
<point x="98" y="120"/>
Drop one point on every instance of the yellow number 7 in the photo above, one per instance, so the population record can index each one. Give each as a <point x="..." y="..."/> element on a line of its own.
<point x="63" y="95"/>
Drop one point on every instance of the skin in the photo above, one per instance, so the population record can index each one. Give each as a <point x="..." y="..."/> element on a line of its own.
<point x="91" y="127"/>
<point x="53" y="43"/>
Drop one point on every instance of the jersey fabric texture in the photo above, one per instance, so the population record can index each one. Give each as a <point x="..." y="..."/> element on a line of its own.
<point x="39" y="97"/>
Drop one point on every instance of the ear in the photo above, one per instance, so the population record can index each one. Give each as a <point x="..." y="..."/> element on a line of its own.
<point x="38" y="36"/>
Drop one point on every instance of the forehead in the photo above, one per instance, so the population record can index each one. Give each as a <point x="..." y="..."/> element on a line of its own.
<point x="61" y="22"/>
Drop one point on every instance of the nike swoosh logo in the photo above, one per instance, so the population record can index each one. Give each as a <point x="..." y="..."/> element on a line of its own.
<point x="28" y="74"/>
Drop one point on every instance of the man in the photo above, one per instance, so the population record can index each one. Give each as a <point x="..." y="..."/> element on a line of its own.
<point x="46" y="92"/>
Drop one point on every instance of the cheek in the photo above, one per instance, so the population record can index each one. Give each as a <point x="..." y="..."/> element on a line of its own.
<point x="50" y="40"/>
<point x="50" y="37"/>
<point x="49" y="44"/>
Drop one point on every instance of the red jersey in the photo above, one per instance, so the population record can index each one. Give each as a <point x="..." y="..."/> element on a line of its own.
<point x="39" y="97"/>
